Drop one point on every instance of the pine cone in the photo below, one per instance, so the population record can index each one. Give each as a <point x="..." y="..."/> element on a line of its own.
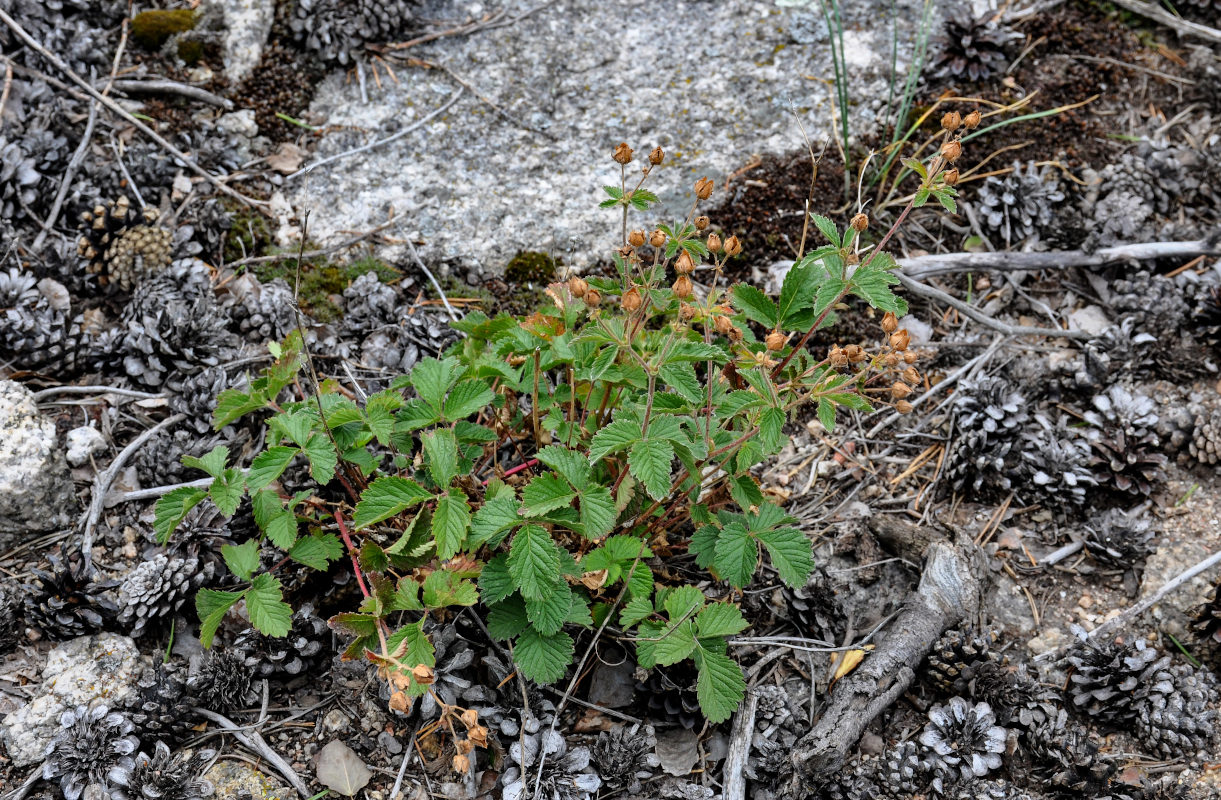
<point x="196" y="397"/>
<point x="670" y="694"/>
<point x="93" y="749"/>
<point x="1063" y="756"/>
<point x="962" y="742"/>
<point x="563" y="775"/>
<point x="12" y="627"/>
<point x="156" y="588"/>
<point x="221" y="680"/>
<point x="815" y="609"/>
<point x="308" y="643"/>
<point x="990" y="415"/>
<point x="1056" y="463"/>
<point x="35" y="332"/>
<point x="1120" y="539"/>
<point x="1125" y="440"/>
<point x="263" y="312"/>
<point x="368" y="304"/>
<point x="1155" y="302"/>
<point x="955" y="660"/>
<point x="1176" y="710"/>
<point x="1205" y="444"/>
<point x="624" y="757"/>
<point x="1021" y="204"/>
<point x="1016" y="695"/>
<point x="974" y="48"/>
<point x="1207" y="622"/>
<point x="160" y="708"/>
<point x="64" y="604"/>
<point x="124" y="246"/>
<point x="165" y="777"/>
<point x="903" y="771"/>
<point x="1106" y="679"/>
<point x="159" y="462"/>
<point x="338" y="30"/>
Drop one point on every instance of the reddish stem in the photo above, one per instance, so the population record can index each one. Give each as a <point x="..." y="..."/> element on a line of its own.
<point x="514" y="470"/>
<point x="347" y="540"/>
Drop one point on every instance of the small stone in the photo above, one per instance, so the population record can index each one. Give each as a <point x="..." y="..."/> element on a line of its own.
<point x="335" y="721"/>
<point x="247" y="24"/>
<point x="1090" y="319"/>
<point x="36" y="492"/>
<point x="83" y="442"/>
<point x="234" y="780"/>
<point x="341" y="770"/>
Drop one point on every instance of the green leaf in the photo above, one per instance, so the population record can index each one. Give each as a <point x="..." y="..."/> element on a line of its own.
<point x="797" y="291"/>
<point x="680" y="375"/>
<point x="612" y="438"/>
<point x="432" y="378"/>
<point x="737" y="555"/>
<point x="791" y="553"/>
<point x="755" y="305"/>
<point x="407" y="596"/>
<point x="233" y="404"/>
<point x="921" y="198"/>
<point x="720" y="619"/>
<point x="603" y="362"/>
<point x="372" y="557"/>
<point x="507" y="619"/>
<point x="322" y="458"/>
<point x="495" y="581"/>
<point x="771" y="429"/>
<point x="719" y="686"/>
<point x="172" y="508"/>
<point x="414" y="415"/>
<point x="496" y="516"/>
<point x="242" y="559"/>
<point x="676" y="642"/>
<point x="213" y="462"/>
<point x="450" y="523"/>
<point x="227" y="490"/>
<point x="379" y="414"/>
<point x="269" y="614"/>
<point x="828" y="295"/>
<point x="317" y="551"/>
<point x="569" y="463"/>
<point x="637" y="607"/>
<point x="534" y="562"/>
<point x="293" y="426"/>
<point x="826" y="414"/>
<point x="827" y="227"/>
<point x="281" y="529"/>
<point x="872" y="284"/>
<point x="466" y="398"/>
<point x="703" y="545"/>
<point x="916" y="166"/>
<point x="547" y="614"/>
<point x="947" y="201"/>
<point x="443" y="588"/>
<point x="211" y="606"/>
<point x="386" y="497"/>
<point x="543" y="659"/>
<point x="598" y="513"/>
<point x="269" y="465"/>
<point x="441" y="455"/>
<point x="546" y="493"/>
<point x="649" y="460"/>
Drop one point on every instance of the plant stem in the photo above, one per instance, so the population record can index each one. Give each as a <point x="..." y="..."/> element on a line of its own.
<point x="347" y="540"/>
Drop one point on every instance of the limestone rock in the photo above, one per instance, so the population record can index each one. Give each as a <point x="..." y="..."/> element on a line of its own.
<point x="247" y="24"/>
<point x="232" y="780"/>
<point x="36" y="493"/>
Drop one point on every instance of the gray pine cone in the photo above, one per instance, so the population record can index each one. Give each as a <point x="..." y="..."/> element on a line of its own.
<point x="961" y="742"/>
<point x="158" y="587"/>
<point x="1107" y="678"/>
<point x="124" y="246"/>
<point x="971" y="47"/>
<point x="159" y="462"/>
<point x="1157" y="304"/>
<point x="1064" y="757"/>
<point x="221" y="680"/>
<point x="196" y="396"/>
<point x="160" y="708"/>
<point x="815" y="609"/>
<point x="903" y="770"/>
<point x="368" y="304"/>
<point x="162" y="776"/>
<point x="12" y="626"/>
<point x="308" y="643"/>
<point x="65" y="604"/>
<point x="93" y="748"/>
<point x="955" y="660"/>
<point x="262" y="312"/>
<point x="338" y="30"/>
<point x="990" y="414"/>
<point x="1056" y="462"/>
<point x="624" y="757"/>
<point x="1120" y="539"/>
<point x="1021" y="204"/>
<point x="36" y="331"/>
<point x="567" y="774"/>
<point x="1205" y="443"/>
<point x="1176" y="710"/>
<point x="1125" y="440"/>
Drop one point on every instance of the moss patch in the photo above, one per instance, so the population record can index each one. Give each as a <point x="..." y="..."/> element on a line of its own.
<point x="322" y="283"/>
<point x="152" y="28"/>
<point x="250" y="234"/>
<point x="531" y="267"/>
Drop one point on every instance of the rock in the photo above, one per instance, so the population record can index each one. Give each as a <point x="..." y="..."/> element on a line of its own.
<point x="84" y="442"/>
<point x="234" y="780"/>
<point x="341" y="770"/>
<point x="78" y="672"/>
<point x="247" y="24"/>
<point x="520" y="167"/>
<point x="1091" y="319"/>
<point x="36" y="493"/>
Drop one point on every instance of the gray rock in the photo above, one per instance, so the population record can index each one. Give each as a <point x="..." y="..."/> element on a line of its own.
<point x="711" y="83"/>
<point x="78" y="672"/>
<point x="83" y="442"/>
<point x="247" y="24"/>
<point x="234" y="780"/>
<point x="36" y="493"/>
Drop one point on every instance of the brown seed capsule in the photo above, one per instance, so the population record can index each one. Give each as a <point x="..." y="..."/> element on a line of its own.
<point x="722" y="324"/>
<point x="702" y="222"/>
<point x="735" y="335"/>
<point x="623" y="153"/>
<point x="903" y="407"/>
<point x="910" y="357"/>
<point x="470" y="717"/>
<point x="837" y="357"/>
<point x="900" y="390"/>
<point x="423" y="674"/>
<point x="950" y="176"/>
<point x="860" y="222"/>
<point x="684" y="264"/>
<point x="910" y="375"/>
<point x="461" y="762"/>
<point x="703" y="188"/>
<point x="714" y="243"/>
<point x="478" y="734"/>
<point x="682" y="287"/>
<point x="891" y="360"/>
<point x="464" y="746"/>
<point x="656" y="156"/>
<point x="775" y="340"/>
<point x="972" y="120"/>
<point x="890" y="322"/>
<point x="686" y="312"/>
<point x="951" y="120"/>
<point x="900" y="339"/>
<point x="593" y="298"/>
<point x="732" y="246"/>
<point x="636" y="238"/>
<point x="577" y="286"/>
<point x="855" y="353"/>
<point x="951" y="150"/>
<point x="657" y="238"/>
<point x="631" y="300"/>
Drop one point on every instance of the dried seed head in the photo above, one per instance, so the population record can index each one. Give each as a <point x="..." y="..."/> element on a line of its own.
<point x="890" y="322"/>
<point x="910" y="375"/>
<point x="464" y="746"/>
<point x="461" y="763"/>
<point x="657" y="156"/>
<point x="722" y="324"/>
<point x="910" y="357"/>
<point x="469" y="717"/>
<point x="900" y="339"/>
<point x="682" y="287"/>
<point x="732" y="246"/>
<point x="636" y="238"/>
<point x="577" y="286"/>
<point x="855" y="353"/>
<point x="860" y="222"/>
<point x="623" y="153"/>
<point x="775" y="340"/>
<point x="631" y="300"/>
<point x="735" y="334"/>
<point x="951" y="150"/>
<point x="900" y="390"/>
<point x="657" y="238"/>
<point x="903" y="407"/>
<point x="951" y="120"/>
<point x="478" y="734"/>
<point x="684" y="264"/>
<point x="950" y="176"/>
<point x="686" y="312"/>
<point x="702" y="222"/>
<point x="423" y="674"/>
<point x="593" y="298"/>
<point x="837" y="357"/>
<point x="714" y="243"/>
<point x="891" y="359"/>
<point x="703" y="188"/>
<point x="972" y="120"/>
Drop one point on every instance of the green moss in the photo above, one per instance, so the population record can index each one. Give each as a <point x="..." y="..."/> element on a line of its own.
<point x="322" y="283"/>
<point x="250" y="234"/>
<point x="531" y="267"/>
<point x="190" y="51"/>
<point x="152" y="28"/>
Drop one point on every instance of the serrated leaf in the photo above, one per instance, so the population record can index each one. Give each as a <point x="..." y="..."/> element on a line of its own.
<point x="543" y="659"/>
<point x="227" y="491"/>
<point x="493" y="520"/>
<point x="269" y="614"/>
<point x="676" y="642"/>
<point x="213" y="462"/>
<point x="281" y="529"/>
<point x="233" y="404"/>
<point x="719" y="686"/>
<point x="294" y="426"/>
<point x="372" y="557"/>
<point x="827" y="228"/>
<point x="450" y="522"/>
<point x="680" y="376"/>
<point x="872" y="284"/>
<point x="415" y="414"/>
<point x="720" y="619"/>
<point x="755" y="305"/>
<point x="269" y="465"/>
<point x="432" y="378"/>
<point x="598" y="513"/>
<point x="444" y="588"/>
<point x="211" y="606"/>
<point x="407" y="596"/>
<point x="322" y="458"/>
<point x="791" y="553"/>
<point x="534" y="562"/>
<point x="614" y="437"/>
<point x="547" y="614"/>
<point x="771" y="429"/>
<point x="495" y="582"/>
<point x="649" y="460"/>
<point x="317" y="551"/>
<point x="947" y="202"/>
<point x="441" y="456"/>
<point x="241" y="559"/>
<point x="172" y="508"/>
<point x="703" y="545"/>
<point x="570" y="464"/>
<point x="603" y="362"/>
<point x="826" y="414"/>
<point x="545" y="493"/>
<point x="737" y="555"/>
<point x="647" y="633"/>
<point x="507" y="619"/>
<point x="636" y="608"/>
<point x="466" y="398"/>
<point x="386" y="497"/>
<point x="797" y="291"/>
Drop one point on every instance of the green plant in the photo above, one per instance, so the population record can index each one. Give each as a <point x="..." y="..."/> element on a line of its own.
<point x="532" y="468"/>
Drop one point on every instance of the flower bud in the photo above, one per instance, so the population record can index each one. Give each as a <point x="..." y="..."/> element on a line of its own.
<point x="860" y="222"/>
<point x="910" y="375"/>
<point x="890" y="322"/>
<point x="682" y="287"/>
<point x="732" y="246"/>
<point x="593" y="298"/>
<point x="684" y="264"/>
<point x="951" y="120"/>
<point x="855" y="353"/>
<point x="910" y="357"/>
<point x="702" y="222"/>
<point x="972" y="120"/>
<point x="657" y="238"/>
<point x="722" y="324"/>
<point x="904" y="407"/>
<point x="703" y="188"/>
<point x="623" y="153"/>
<point x="630" y="300"/>
<point x="577" y="286"/>
<point x="775" y="340"/>
<point x="900" y="339"/>
<point x="636" y="238"/>
<point x="900" y="390"/>
<point x="656" y="156"/>
<point x="714" y="243"/>
<point x="950" y="176"/>
<point x="951" y="150"/>
<point x="837" y="357"/>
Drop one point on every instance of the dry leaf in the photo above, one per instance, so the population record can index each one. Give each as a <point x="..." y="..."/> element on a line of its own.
<point x="851" y="659"/>
<point x="594" y="580"/>
<point x="287" y="158"/>
<point x="341" y="770"/>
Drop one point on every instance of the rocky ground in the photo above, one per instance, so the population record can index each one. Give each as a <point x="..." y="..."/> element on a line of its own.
<point x="159" y="165"/>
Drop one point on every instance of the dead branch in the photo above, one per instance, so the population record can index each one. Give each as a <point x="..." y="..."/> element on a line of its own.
<point x="255" y="743"/>
<point x="66" y="183"/>
<point x="1159" y="14"/>
<point x="739" y="748"/>
<point x="924" y="290"/>
<point x="165" y="86"/>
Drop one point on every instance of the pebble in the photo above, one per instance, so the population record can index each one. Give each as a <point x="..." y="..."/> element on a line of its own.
<point x="82" y="443"/>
